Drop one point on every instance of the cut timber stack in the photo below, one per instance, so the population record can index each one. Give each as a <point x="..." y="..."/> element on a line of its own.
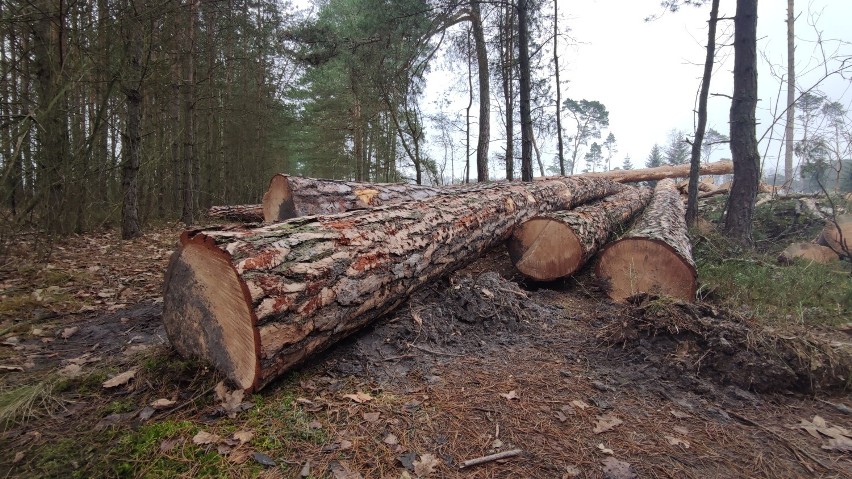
<point x="554" y="245"/>
<point x="294" y="196"/>
<point x="837" y="234"/>
<point x="655" y="255"/>
<point x="256" y="302"/>
<point x="241" y="213"/>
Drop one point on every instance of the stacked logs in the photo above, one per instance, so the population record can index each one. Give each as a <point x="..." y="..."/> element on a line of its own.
<point x="257" y="300"/>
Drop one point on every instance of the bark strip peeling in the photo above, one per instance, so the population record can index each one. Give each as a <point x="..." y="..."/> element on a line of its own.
<point x="256" y="302"/>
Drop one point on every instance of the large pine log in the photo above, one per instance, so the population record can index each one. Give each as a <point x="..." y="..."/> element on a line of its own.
<point x="294" y="196"/>
<point x="655" y="255"/>
<point x="837" y="234"/>
<point x="256" y="302"/>
<point x="241" y="213"/>
<point x="554" y="245"/>
<point x="661" y="172"/>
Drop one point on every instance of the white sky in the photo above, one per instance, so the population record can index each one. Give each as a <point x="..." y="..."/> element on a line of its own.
<point x="647" y="73"/>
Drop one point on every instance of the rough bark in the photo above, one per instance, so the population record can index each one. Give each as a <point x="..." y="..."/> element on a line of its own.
<point x="740" y="207"/>
<point x="484" y="93"/>
<point x="256" y="302"/>
<point x="837" y="234"/>
<point x="666" y="171"/>
<point x="130" y="227"/>
<point x="525" y="90"/>
<point x="508" y="89"/>
<point x="556" y="244"/>
<point x="240" y="213"/>
<point x="655" y="255"/>
<point x="560" y="147"/>
<point x="294" y="196"/>
<point x="188" y="210"/>
<point x="697" y="142"/>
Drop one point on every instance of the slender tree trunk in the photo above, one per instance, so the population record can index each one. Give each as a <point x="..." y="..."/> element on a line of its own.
<point x="484" y="94"/>
<point x="188" y="214"/>
<point x="132" y="155"/>
<point x="467" y="117"/>
<point x="740" y="208"/>
<point x="695" y="164"/>
<point x="508" y="88"/>
<point x="791" y="97"/>
<point x="526" y="115"/>
<point x="559" y="145"/>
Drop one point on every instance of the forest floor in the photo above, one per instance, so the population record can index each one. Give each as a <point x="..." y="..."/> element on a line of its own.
<point x="751" y="381"/>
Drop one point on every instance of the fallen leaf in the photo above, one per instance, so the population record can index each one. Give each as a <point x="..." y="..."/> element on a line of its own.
<point x="674" y="441"/>
<point x="359" y="397"/>
<point x="681" y="430"/>
<point x="841" y="444"/>
<point x="510" y="395"/>
<point x="371" y="416"/>
<point x="407" y="460"/>
<point x="120" y="379"/>
<point x="230" y="401"/>
<point x="561" y="416"/>
<point x="68" y="332"/>
<point x="239" y="455"/>
<point x="340" y="470"/>
<point x="580" y="404"/>
<point x="426" y="465"/>
<point x="306" y="470"/>
<point x="606" y="423"/>
<point x="497" y="444"/>
<point x="18" y="457"/>
<point x="391" y="440"/>
<point x="571" y="472"/>
<point x="615" y="469"/>
<point x="263" y="459"/>
<point x="243" y="436"/>
<point x="819" y="428"/>
<point x="204" y="437"/>
<point x="169" y="444"/>
<point x="71" y="371"/>
<point x="487" y="293"/>
<point x="679" y="414"/>
<point x="163" y="403"/>
<point x="605" y="449"/>
<point x="315" y="425"/>
<point x="417" y="318"/>
<point x="146" y="413"/>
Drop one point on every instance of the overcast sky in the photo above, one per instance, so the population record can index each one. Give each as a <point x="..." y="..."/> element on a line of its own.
<point x="647" y="73"/>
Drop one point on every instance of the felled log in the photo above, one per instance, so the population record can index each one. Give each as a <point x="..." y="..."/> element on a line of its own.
<point x="661" y="172"/>
<point x="241" y="213"/>
<point x="808" y="251"/>
<point x="293" y="196"/>
<point x="837" y="234"/>
<point x="655" y="255"/>
<point x="556" y="244"/>
<point x="256" y="302"/>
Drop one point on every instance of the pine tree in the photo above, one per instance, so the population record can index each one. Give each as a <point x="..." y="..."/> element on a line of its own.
<point x="655" y="158"/>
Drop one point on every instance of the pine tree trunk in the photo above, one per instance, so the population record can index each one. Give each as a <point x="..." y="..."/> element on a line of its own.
<point x="484" y="94"/>
<point x="132" y="155"/>
<point x="239" y="213"/>
<point x="295" y="196"/>
<point x="791" y="97"/>
<point x="525" y="90"/>
<point x="555" y="245"/>
<point x="257" y="302"/>
<point x="655" y="255"/>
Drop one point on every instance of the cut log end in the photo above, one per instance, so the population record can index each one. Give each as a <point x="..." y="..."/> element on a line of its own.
<point x="545" y="249"/>
<point x="207" y="311"/>
<point x="278" y="203"/>
<point x="639" y="265"/>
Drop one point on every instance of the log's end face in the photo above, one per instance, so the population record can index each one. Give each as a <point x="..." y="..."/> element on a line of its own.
<point x="545" y="249"/>
<point x="278" y="204"/>
<point x="632" y="266"/>
<point x="207" y="312"/>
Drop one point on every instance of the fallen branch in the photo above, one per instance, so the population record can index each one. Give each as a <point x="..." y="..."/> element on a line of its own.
<point x="491" y="457"/>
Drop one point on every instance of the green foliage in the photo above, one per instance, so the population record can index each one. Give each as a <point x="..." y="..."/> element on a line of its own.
<point x="655" y="158"/>
<point x="677" y="151"/>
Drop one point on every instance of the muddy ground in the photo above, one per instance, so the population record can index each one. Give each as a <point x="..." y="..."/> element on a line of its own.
<point x="478" y="363"/>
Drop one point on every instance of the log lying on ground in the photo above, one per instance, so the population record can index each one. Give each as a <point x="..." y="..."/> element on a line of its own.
<point x="837" y="234"/>
<point x="809" y="252"/>
<point x="554" y="245"/>
<point x="241" y="213"/>
<point x="661" y="172"/>
<point x="256" y="302"/>
<point x="294" y="196"/>
<point x="655" y="255"/>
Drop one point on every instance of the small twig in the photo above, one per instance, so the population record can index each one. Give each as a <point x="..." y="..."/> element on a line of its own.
<point x="187" y="403"/>
<point x="491" y="457"/>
